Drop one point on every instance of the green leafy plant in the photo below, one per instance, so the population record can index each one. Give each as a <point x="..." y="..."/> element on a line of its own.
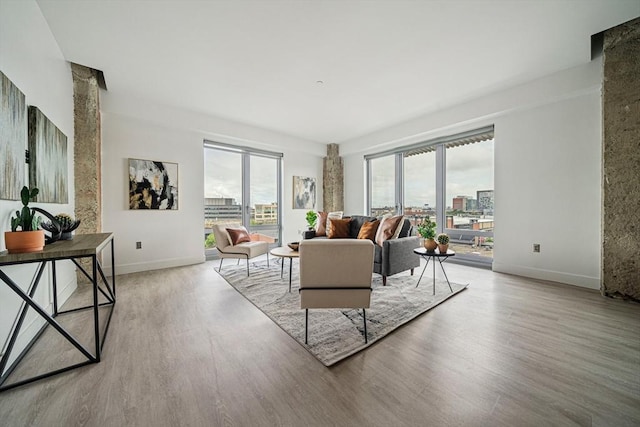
<point x="312" y="217"/>
<point x="210" y="241"/>
<point x="442" y="239"/>
<point x="26" y="218"/>
<point x="427" y="229"/>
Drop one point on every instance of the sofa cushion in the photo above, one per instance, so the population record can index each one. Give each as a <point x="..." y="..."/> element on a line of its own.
<point x="356" y="224"/>
<point x="238" y="235"/>
<point x="322" y="222"/>
<point x="368" y="230"/>
<point x="338" y="228"/>
<point x="389" y="229"/>
<point x="406" y="228"/>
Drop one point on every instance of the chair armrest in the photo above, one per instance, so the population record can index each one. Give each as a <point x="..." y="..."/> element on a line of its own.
<point x="258" y="237"/>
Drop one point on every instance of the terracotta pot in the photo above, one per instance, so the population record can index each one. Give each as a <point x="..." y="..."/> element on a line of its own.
<point x="20" y="242"/>
<point x="430" y="245"/>
<point x="443" y="248"/>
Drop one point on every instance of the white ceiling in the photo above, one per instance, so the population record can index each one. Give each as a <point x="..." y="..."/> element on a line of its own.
<point x="382" y="62"/>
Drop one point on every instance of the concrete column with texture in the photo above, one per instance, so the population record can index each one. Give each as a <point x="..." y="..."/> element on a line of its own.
<point x="621" y="161"/>
<point x="87" y="161"/>
<point x="333" y="180"/>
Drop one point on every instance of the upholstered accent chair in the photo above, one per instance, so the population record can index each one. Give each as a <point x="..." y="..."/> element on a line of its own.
<point x="335" y="274"/>
<point x="243" y="248"/>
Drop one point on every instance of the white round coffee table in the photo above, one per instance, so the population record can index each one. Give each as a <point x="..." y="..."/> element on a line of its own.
<point x="285" y="252"/>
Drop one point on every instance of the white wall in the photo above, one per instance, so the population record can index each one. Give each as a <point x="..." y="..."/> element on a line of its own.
<point x="31" y="59"/>
<point x="547" y="171"/>
<point x="133" y="129"/>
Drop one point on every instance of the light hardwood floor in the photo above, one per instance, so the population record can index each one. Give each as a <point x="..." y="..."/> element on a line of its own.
<point x="185" y="349"/>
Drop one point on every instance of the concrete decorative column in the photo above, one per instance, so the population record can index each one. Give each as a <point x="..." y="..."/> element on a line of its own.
<point x="621" y="161"/>
<point x="87" y="155"/>
<point x="87" y="148"/>
<point x="333" y="180"/>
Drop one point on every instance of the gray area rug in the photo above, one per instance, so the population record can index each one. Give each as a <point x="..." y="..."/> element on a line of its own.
<point x="335" y="334"/>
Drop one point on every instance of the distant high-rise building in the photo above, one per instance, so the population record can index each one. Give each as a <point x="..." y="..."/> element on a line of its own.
<point x="265" y="213"/>
<point x="458" y="203"/>
<point x="220" y="208"/>
<point x="485" y="201"/>
<point x="463" y="203"/>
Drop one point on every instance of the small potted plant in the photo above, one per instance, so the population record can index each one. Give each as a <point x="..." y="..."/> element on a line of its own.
<point x="312" y="217"/>
<point x="427" y="229"/>
<point x="63" y="225"/>
<point x="443" y="242"/>
<point x="29" y="238"/>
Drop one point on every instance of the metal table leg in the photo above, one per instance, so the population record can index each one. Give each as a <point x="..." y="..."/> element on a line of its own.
<point x="290" y="270"/>
<point x="425" y="267"/>
<point x="445" y="274"/>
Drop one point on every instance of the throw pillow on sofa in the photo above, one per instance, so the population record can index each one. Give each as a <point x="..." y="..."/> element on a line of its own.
<point x="322" y="223"/>
<point x="389" y="229"/>
<point x="338" y="228"/>
<point x="368" y="230"/>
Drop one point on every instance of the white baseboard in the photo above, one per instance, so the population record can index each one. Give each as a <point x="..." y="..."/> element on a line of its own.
<point x="554" y="276"/>
<point x="152" y="265"/>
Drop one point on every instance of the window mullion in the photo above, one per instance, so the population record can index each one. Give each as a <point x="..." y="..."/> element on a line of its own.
<point x="246" y="190"/>
<point x="399" y="184"/>
<point x="441" y="202"/>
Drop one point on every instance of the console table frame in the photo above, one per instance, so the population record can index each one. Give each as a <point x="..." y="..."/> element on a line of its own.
<point x="82" y="246"/>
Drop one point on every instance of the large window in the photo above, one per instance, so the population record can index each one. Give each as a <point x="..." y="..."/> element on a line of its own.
<point x="448" y="180"/>
<point x="382" y="171"/>
<point x="241" y="186"/>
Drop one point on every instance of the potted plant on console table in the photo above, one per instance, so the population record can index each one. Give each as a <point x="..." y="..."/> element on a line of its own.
<point x="29" y="238"/>
<point x="427" y="229"/>
<point x="311" y="218"/>
<point x="61" y="225"/>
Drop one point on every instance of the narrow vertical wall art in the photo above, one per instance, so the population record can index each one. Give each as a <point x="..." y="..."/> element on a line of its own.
<point x="153" y="185"/>
<point x="13" y="139"/>
<point x="304" y="192"/>
<point x="48" y="168"/>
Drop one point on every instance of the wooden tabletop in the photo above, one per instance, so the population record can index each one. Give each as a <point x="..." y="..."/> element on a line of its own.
<point x="285" y="252"/>
<point x="81" y="245"/>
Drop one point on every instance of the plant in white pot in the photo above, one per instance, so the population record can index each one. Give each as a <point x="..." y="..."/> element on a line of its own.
<point x="427" y="229"/>
<point x="28" y="238"/>
<point x="443" y="242"/>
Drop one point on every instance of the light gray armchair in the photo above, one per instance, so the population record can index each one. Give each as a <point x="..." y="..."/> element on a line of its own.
<point x="335" y="273"/>
<point x="244" y="250"/>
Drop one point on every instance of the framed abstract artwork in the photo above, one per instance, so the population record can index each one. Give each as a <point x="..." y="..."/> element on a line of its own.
<point x="304" y="192"/>
<point x="13" y="139"/>
<point x="153" y="185"/>
<point x="48" y="167"/>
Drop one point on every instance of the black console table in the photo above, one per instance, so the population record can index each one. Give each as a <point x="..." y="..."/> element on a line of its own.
<point x="82" y="246"/>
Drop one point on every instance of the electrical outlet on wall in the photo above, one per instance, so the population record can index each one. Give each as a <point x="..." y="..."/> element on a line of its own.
<point x="536" y="247"/>
<point x="138" y="245"/>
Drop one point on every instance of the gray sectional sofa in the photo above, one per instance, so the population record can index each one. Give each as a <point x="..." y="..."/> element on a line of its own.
<point x="395" y="255"/>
